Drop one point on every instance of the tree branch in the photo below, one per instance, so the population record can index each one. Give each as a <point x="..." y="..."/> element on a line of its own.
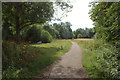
<point x="30" y="24"/>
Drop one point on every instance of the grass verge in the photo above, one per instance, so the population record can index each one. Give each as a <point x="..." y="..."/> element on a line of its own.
<point x="46" y="55"/>
<point x="26" y="61"/>
<point x="99" y="58"/>
<point x="89" y="54"/>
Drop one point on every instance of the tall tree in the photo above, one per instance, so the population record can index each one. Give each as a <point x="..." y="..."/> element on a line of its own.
<point x="85" y="33"/>
<point x="23" y="14"/>
<point x="64" y="29"/>
<point x="106" y="17"/>
<point x="52" y="31"/>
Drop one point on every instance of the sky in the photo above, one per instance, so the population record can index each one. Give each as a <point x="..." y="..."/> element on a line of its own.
<point x="79" y="17"/>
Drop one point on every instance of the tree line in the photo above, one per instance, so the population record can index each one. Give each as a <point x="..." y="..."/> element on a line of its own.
<point x="28" y="21"/>
<point x="84" y="33"/>
<point x="46" y="33"/>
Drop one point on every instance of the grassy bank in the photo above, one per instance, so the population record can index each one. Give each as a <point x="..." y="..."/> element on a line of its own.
<point x="99" y="59"/>
<point x="89" y="54"/>
<point x="26" y="61"/>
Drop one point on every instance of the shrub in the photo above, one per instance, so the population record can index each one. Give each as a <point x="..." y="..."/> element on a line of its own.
<point x="10" y="53"/>
<point x="46" y="37"/>
<point x="11" y="72"/>
<point x="100" y="59"/>
<point x="79" y="36"/>
<point x="52" y="31"/>
<point x="13" y="59"/>
<point x="108" y="62"/>
<point x="10" y="57"/>
<point x="33" y="34"/>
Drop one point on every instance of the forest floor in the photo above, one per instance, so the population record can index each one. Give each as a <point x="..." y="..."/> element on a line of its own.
<point x="68" y="66"/>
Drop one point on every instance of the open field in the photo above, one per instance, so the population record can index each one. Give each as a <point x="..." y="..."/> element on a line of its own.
<point x="83" y="39"/>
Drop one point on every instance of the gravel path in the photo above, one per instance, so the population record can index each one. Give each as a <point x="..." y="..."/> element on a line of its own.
<point x="69" y="65"/>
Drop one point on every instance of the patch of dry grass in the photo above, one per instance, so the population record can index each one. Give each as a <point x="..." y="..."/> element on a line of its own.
<point x="82" y="39"/>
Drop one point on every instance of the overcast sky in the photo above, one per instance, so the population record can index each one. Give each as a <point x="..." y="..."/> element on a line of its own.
<point x="79" y="16"/>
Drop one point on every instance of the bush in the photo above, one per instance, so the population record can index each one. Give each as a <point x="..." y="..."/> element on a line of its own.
<point x="52" y="31"/>
<point x="11" y="72"/>
<point x="79" y="36"/>
<point x="99" y="58"/>
<point x="108" y="62"/>
<point x="13" y="58"/>
<point x="46" y="37"/>
<point x="10" y="57"/>
<point x="36" y="33"/>
<point x="10" y="53"/>
<point x="33" y="34"/>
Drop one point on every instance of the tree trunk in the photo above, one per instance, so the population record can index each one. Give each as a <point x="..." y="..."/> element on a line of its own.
<point x="18" y="39"/>
<point x="17" y="25"/>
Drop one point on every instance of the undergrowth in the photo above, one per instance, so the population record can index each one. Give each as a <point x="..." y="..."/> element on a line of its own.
<point x="26" y="61"/>
<point x="99" y="58"/>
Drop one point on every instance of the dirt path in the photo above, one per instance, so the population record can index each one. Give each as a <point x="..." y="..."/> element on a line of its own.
<point x="69" y="65"/>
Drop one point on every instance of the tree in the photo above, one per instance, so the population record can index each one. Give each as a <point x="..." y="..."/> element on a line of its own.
<point x="33" y="34"/>
<point x="46" y="37"/>
<point x="58" y="28"/>
<point x="79" y="36"/>
<point x="107" y="25"/>
<point x="64" y="29"/>
<point x="52" y="31"/>
<point x="20" y="15"/>
<point x="106" y="20"/>
<point x="62" y="8"/>
<point x="85" y="33"/>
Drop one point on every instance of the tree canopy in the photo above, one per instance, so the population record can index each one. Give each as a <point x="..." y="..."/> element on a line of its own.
<point x="64" y="30"/>
<point x="84" y="33"/>
<point x="18" y="15"/>
<point x="106" y="17"/>
<point x="106" y="20"/>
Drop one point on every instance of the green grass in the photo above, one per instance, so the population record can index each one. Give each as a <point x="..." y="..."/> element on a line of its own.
<point x="89" y="54"/>
<point x="46" y="54"/>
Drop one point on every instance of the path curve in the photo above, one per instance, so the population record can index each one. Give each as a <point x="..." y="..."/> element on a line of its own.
<point x="69" y="65"/>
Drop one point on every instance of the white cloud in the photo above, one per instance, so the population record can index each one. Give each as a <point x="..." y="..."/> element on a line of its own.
<point x="79" y="16"/>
